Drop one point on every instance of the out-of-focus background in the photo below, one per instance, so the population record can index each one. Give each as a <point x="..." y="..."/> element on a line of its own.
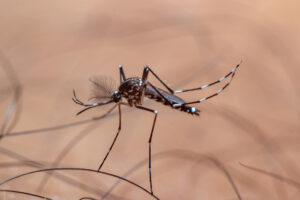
<point x="49" y="48"/>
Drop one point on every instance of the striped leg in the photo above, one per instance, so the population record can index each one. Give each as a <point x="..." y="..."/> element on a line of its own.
<point x="199" y="88"/>
<point x="77" y="101"/>
<point x="231" y="74"/>
<point x="112" y="145"/>
<point x="150" y="141"/>
<point x="88" y="106"/>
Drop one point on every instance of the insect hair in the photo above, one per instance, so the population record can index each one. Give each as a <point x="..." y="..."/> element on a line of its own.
<point x="79" y="169"/>
<point x="182" y="154"/>
<point x="14" y="108"/>
<point x="289" y="181"/>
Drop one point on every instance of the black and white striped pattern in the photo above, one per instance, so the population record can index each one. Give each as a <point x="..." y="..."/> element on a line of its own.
<point x="230" y="75"/>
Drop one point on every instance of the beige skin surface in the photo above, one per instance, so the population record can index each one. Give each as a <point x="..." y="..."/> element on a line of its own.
<point x="55" y="46"/>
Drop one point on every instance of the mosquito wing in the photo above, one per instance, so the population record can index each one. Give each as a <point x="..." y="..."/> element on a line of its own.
<point x="101" y="88"/>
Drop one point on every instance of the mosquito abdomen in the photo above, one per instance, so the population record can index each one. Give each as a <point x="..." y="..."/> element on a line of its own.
<point x="152" y="94"/>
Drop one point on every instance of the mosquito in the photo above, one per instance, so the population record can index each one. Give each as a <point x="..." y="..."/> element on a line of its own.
<point x="134" y="90"/>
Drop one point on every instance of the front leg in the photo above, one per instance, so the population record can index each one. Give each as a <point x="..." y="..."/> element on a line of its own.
<point x="112" y="145"/>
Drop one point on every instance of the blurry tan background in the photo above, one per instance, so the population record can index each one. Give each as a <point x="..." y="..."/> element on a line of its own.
<point x="54" y="46"/>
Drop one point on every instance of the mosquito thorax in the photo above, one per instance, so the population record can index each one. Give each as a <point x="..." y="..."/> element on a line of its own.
<point x="116" y="96"/>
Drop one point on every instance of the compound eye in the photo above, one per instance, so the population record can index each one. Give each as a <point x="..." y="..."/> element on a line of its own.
<point x="116" y="96"/>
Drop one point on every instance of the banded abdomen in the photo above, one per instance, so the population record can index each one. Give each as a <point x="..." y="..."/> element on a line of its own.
<point x="152" y="94"/>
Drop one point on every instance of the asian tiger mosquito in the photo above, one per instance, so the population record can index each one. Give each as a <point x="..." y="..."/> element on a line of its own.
<point x="134" y="90"/>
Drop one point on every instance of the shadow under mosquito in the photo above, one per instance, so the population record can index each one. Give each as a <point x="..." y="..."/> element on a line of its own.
<point x="15" y="107"/>
<point x="183" y="154"/>
<point x="289" y="181"/>
<point x="67" y="148"/>
<point x="256" y="133"/>
<point x="80" y="169"/>
<point x="22" y="160"/>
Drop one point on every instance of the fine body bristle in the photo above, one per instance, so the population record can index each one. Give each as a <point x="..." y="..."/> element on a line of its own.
<point x="101" y="88"/>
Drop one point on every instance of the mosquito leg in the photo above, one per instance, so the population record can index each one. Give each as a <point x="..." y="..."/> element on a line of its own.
<point x="167" y="100"/>
<point x="199" y="88"/>
<point x="122" y="74"/>
<point x="215" y="94"/>
<point x="89" y="106"/>
<point x="162" y="82"/>
<point x="105" y="114"/>
<point x="145" y="73"/>
<point x="76" y="100"/>
<point x="232" y="72"/>
<point x="150" y="142"/>
<point x="146" y="82"/>
<point x="111" y="146"/>
<point x="68" y="148"/>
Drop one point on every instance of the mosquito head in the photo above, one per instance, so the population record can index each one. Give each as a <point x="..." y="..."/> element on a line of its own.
<point x="116" y="96"/>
